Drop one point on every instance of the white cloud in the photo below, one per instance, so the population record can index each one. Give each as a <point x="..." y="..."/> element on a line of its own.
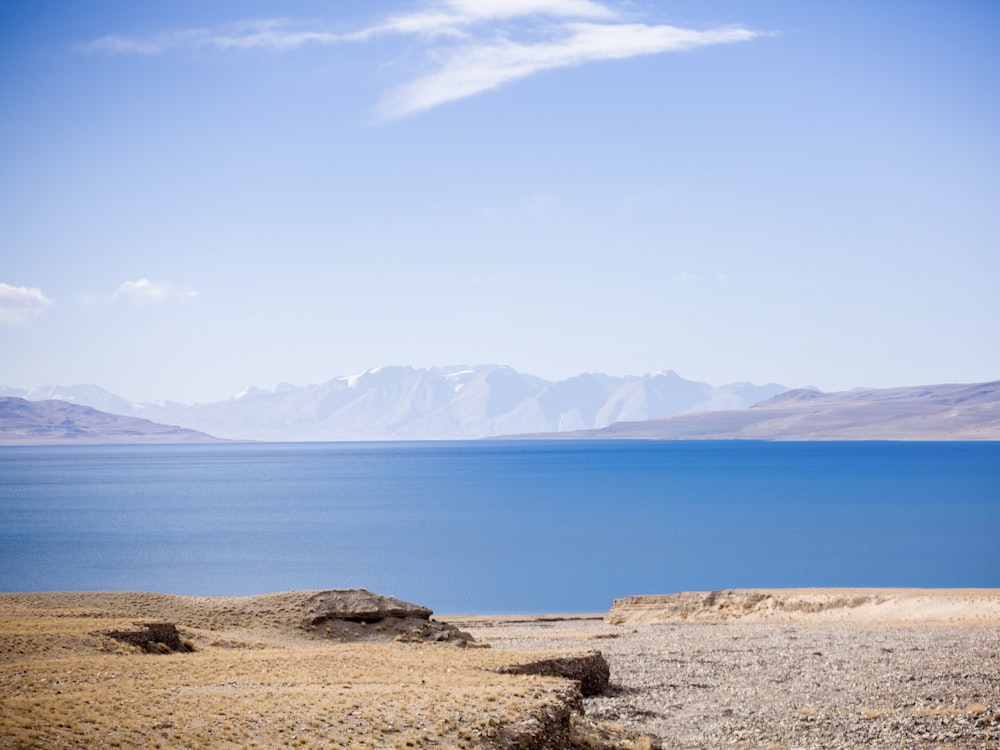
<point x="470" y="46"/>
<point x="115" y="44"/>
<point x="447" y="17"/>
<point x="145" y="291"/>
<point x="270" y="34"/>
<point x="686" y="278"/>
<point x="480" y="67"/>
<point x="440" y="18"/>
<point x="20" y="304"/>
<point x="509" y="8"/>
<point x="274" y="34"/>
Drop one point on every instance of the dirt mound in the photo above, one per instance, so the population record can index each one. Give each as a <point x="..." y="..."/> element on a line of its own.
<point x="357" y="614"/>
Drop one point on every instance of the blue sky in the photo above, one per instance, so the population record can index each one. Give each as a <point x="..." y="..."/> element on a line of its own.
<point x="196" y="197"/>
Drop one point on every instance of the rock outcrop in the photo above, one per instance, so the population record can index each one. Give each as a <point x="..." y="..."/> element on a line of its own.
<point x="357" y="614"/>
<point x="858" y="605"/>
<point x="359" y="605"/>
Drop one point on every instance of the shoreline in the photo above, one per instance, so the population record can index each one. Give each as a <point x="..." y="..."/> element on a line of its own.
<point x="731" y="676"/>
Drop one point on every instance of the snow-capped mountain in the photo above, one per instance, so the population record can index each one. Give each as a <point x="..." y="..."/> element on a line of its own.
<point x="406" y="403"/>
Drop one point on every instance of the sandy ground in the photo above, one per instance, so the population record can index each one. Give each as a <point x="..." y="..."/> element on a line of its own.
<point x="777" y="669"/>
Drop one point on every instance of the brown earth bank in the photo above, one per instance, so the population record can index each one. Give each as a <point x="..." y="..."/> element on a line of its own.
<point x="323" y="669"/>
<point x="352" y="669"/>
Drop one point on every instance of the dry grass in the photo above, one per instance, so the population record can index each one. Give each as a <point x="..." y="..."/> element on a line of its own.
<point x="317" y="696"/>
<point x="874" y="713"/>
<point x="64" y="684"/>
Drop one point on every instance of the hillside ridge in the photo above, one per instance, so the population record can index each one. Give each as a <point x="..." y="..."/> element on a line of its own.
<point x="928" y="412"/>
<point x="51" y="422"/>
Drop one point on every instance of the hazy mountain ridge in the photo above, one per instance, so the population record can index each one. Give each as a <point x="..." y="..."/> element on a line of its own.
<point x="407" y="403"/>
<point x="932" y="412"/>
<point x="394" y="403"/>
<point x="55" y="422"/>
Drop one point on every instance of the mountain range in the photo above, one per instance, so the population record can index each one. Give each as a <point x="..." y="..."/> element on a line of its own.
<point x="932" y="412"/>
<point x="441" y="403"/>
<point x="487" y="401"/>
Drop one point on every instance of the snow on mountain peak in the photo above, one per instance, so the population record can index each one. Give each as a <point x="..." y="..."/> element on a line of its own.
<point x="455" y="402"/>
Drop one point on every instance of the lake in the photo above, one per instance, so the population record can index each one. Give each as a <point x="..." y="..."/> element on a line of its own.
<point x="499" y="526"/>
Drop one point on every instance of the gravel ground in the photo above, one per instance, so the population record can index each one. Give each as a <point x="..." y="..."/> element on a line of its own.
<point x="771" y="686"/>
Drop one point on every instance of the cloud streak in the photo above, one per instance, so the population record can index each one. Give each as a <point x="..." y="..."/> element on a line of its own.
<point x="465" y="47"/>
<point x="273" y="34"/>
<point x="144" y="292"/>
<point x="19" y="305"/>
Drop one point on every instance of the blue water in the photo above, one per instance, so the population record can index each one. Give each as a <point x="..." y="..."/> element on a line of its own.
<point x="496" y="527"/>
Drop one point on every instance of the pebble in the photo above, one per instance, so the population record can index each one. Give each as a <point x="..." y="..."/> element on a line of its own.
<point x="726" y="685"/>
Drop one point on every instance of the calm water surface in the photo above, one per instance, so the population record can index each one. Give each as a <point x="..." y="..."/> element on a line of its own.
<point x="499" y="526"/>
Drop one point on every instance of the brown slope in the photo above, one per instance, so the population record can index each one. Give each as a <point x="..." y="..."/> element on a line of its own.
<point x="25" y="422"/>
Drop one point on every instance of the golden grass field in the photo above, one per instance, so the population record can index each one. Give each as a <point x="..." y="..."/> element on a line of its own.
<point x="252" y="681"/>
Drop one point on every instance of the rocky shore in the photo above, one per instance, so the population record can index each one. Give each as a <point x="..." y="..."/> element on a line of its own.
<point x="802" y="669"/>
<point x="738" y="685"/>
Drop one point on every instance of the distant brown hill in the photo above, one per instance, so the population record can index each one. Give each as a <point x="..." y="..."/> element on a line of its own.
<point x="25" y="422"/>
<point x="933" y="412"/>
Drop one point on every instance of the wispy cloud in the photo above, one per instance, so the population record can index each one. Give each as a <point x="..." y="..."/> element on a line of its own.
<point x="144" y="291"/>
<point x="478" y="67"/>
<point x="275" y="34"/>
<point x="19" y="305"/>
<point x="468" y="46"/>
